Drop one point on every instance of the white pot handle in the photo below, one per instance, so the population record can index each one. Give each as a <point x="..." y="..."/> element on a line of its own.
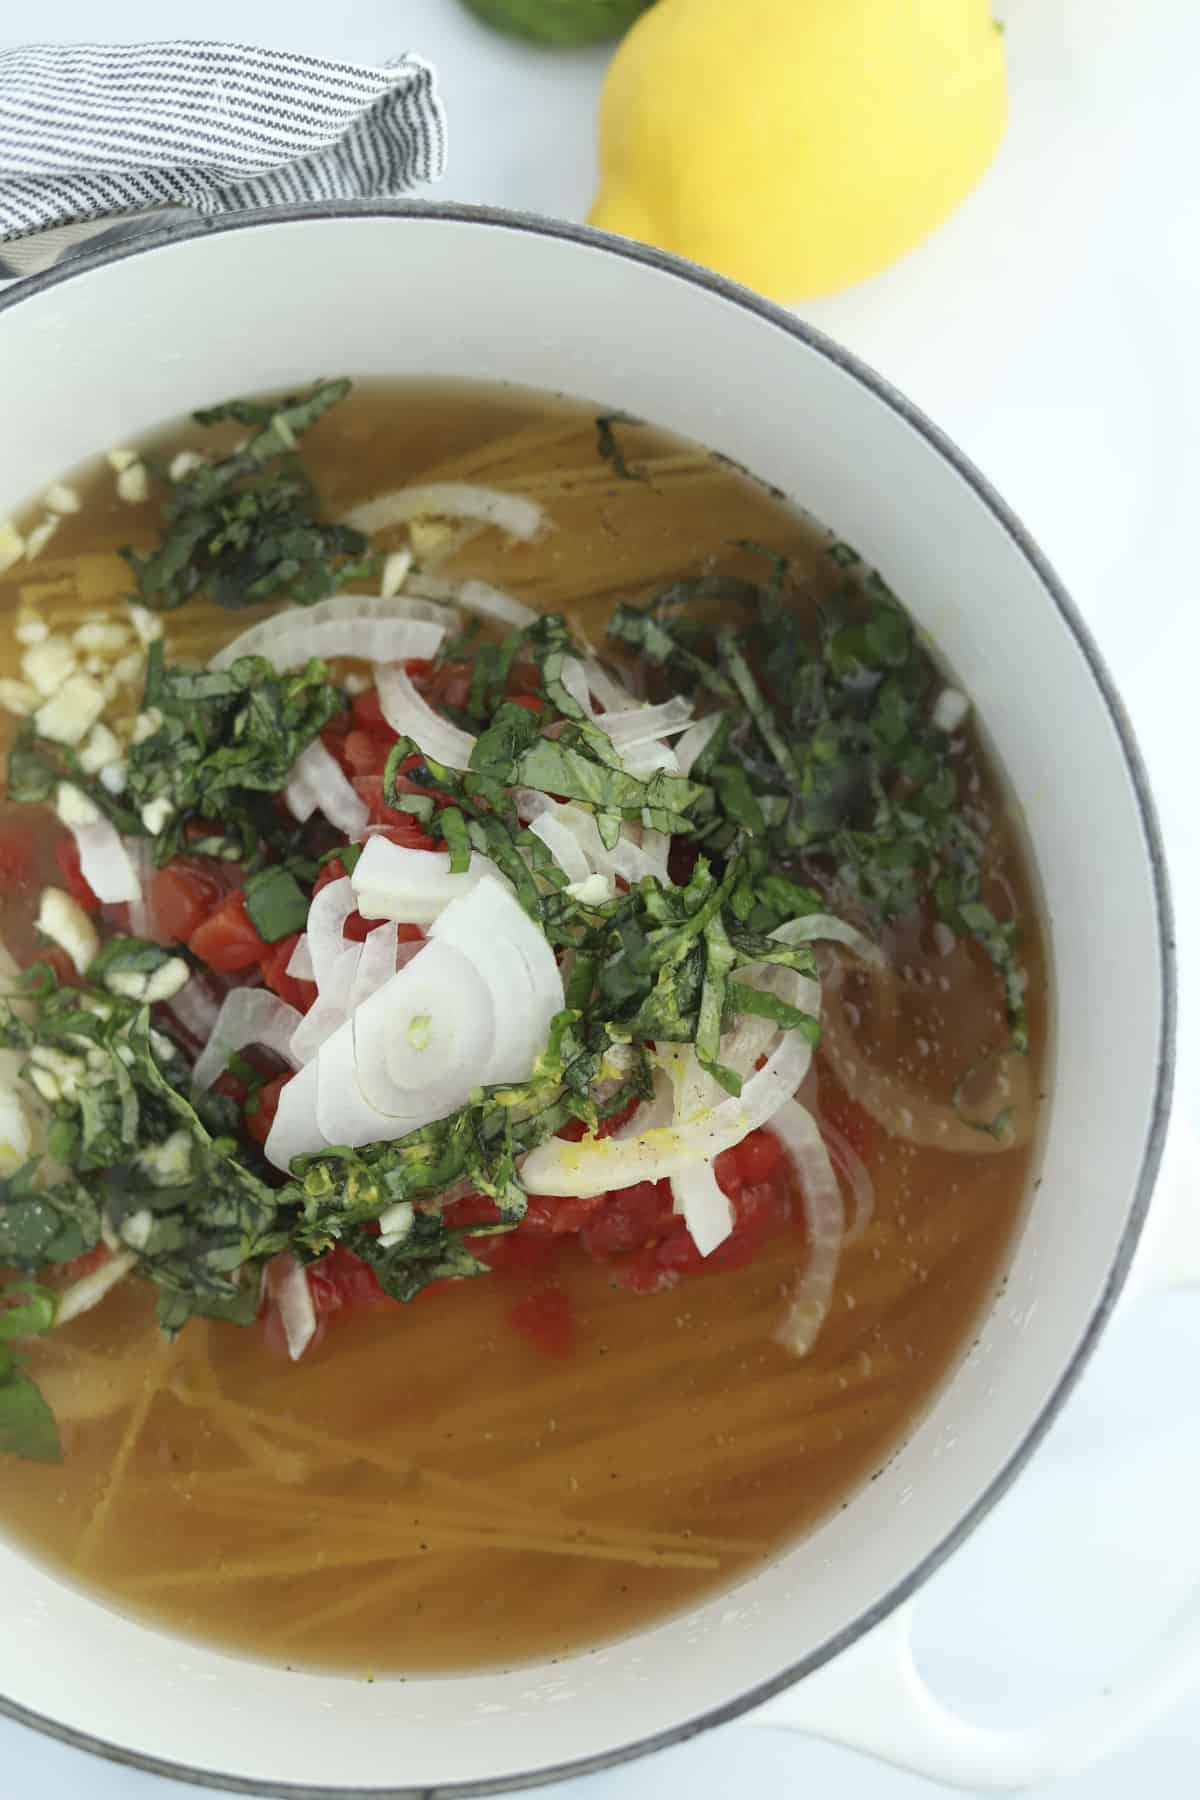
<point x="873" y="1698"/>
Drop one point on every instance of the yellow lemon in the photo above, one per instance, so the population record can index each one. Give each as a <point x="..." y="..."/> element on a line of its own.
<point x="798" y="145"/>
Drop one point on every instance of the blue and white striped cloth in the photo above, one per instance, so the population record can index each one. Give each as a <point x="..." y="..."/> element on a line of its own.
<point x="94" y="133"/>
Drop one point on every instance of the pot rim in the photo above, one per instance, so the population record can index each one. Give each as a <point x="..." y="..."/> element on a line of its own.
<point x="521" y="223"/>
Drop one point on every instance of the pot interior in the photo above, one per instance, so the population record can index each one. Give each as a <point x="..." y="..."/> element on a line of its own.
<point x="99" y="357"/>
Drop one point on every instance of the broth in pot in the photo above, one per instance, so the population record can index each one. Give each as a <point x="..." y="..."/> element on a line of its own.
<point x="458" y="1318"/>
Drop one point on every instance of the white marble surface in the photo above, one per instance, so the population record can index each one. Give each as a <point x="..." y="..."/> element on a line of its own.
<point x="1050" y="328"/>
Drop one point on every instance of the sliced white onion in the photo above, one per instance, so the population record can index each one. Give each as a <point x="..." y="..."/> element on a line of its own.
<point x="651" y="1115"/>
<point x="472" y="1008"/>
<point x="365" y="626"/>
<point x="92" y="1288"/>
<point x="596" y="1164"/>
<point x="392" y="881"/>
<point x="376" y="964"/>
<point x="574" y="679"/>
<point x="409" y="714"/>
<point x="294" y="1130"/>
<point x="855" y="1175"/>
<point x="196" y="1007"/>
<point x="324" y="927"/>
<point x="742" y="1047"/>
<point x="142" y="922"/>
<point x="105" y="863"/>
<point x="478" y="597"/>
<point x="607" y="689"/>
<point x="512" y="513"/>
<point x="319" y="784"/>
<point x="300" y="963"/>
<point x="563" y="846"/>
<point x="696" y="1092"/>
<point x="696" y="739"/>
<point x="825" y="1219"/>
<point x="426" y="1038"/>
<point x="823" y="927"/>
<point x="247" y="1016"/>
<point x="488" y="602"/>
<point x="707" y="1211"/>
<point x="628" y="859"/>
<point x="439" y="588"/>
<point x="909" y="1112"/>
<point x="343" y="1115"/>
<point x="648" y="759"/>
<point x="513" y="956"/>
<point x="655" y="844"/>
<point x="331" y="1008"/>
<point x="287" y="1285"/>
<point x="645" y="724"/>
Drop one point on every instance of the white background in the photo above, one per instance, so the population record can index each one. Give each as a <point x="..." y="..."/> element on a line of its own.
<point x="1050" y="327"/>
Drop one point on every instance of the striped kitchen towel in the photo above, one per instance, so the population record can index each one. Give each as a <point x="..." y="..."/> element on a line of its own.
<point x="92" y="133"/>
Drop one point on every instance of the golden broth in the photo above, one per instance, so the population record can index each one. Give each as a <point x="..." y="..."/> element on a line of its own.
<point x="426" y="1491"/>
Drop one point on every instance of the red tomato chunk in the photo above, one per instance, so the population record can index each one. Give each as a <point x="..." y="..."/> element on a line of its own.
<point x="183" y="895"/>
<point x="67" y="856"/>
<point x="228" y="941"/>
<point x="260" y="1110"/>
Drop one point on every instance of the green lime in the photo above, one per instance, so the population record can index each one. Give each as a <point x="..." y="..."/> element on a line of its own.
<point x="561" y="22"/>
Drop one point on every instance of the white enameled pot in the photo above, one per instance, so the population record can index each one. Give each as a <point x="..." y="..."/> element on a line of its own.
<point x="97" y="352"/>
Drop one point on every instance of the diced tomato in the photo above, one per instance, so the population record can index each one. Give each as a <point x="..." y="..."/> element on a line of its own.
<point x="183" y="895"/>
<point x="762" y="1209"/>
<point x="559" y="1215"/>
<point x="519" y="1254"/>
<point x="757" y="1158"/>
<point x="228" y="941"/>
<point x="367" y="713"/>
<point x="644" y="1272"/>
<point x="365" y="753"/>
<point x="631" y="1217"/>
<point x="342" y="1282"/>
<point x="858" y="1128"/>
<point x="531" y="702"/>
<point x="675" y="1252"/>
<point x="273" y="967"/>
<point x="17" y="856"/>
<point x="66" y="854"/>
<point x="231" y="1087"/>
<point x="524" y="680"/>
<point x="574" y="1129"/>
<point x="370" y="790"/>
<point x="547" y="1320"/>
<point x="334" y="736"/>
<point x="409" y="834"/>
<point x="68" y="975"/>
<point x="330" y="871"/>
<point x="259" y="1114"/>
<point x="448" y="685"/>
<point x="472" y="1209"/>
<point x="510" y="1252"/>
